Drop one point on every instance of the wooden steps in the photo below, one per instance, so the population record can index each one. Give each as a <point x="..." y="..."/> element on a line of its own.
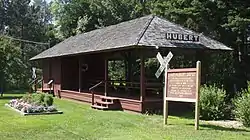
<point x="99" y="107"/>
<point x="107" y="103"/>
<point x="102" y="102"/>
<point x="46" y="90"/>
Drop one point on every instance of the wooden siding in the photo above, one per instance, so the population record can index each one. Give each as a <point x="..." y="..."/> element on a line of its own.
<point x="46" y="71"/>
<point x="56" y="74"/>
<point x="126" y="104"/>
<point x="96" y="70"/>
<point x="52" y="70"/>
<point x="70" y="73"/>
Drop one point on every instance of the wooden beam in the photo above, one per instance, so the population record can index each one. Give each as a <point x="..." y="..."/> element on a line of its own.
<point x="106" y="76"/>
<point x="50" y="69"/>
<point x="200" y="57"/>
<point x="42" y="84"/>
<point x="198" y="82"/>
<point x="80" y="74"/>
<point x="35" y="85"/>
<point x="142" y="82"/>
<point x="165" y="101"/>
<point x="130" y="75"/>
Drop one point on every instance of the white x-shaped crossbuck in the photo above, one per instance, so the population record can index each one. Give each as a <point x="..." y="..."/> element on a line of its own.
<point x="164" y="62"/>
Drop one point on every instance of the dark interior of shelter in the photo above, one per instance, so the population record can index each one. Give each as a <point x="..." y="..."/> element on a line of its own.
<point x="92" y="71"/>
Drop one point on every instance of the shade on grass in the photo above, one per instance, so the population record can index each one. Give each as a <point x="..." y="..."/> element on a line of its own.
<point x="79" y="121"/>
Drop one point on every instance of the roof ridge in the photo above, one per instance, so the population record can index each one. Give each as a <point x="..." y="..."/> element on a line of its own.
<point x="145" y="29"/>
<point x="112" y="25"/>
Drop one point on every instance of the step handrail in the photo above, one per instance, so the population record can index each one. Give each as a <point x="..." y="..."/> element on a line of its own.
<point x="96" y="85"/>
<point x="35" y="82"/>
<point x="91" y="90"/>
<point x="39" y="81"/>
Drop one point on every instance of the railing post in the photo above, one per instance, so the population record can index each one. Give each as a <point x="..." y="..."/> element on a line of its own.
<point x="53" y="88"/>
<point x="106" y="77"/>
<point x="59" y="93"/>
<point x="93" y="98"/>
<point x="79" y="75"/>
<point x="91" y="90"/>
<point x="35" y="85"/>
<point x="142" y="82"/>
<point x="42" y="85"/>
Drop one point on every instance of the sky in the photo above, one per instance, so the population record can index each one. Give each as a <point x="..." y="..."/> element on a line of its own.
<point x="48" y="1"/>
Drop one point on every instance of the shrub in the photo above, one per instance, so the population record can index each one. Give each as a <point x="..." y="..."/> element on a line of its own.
<point x="212" y="103"/>
<point x="242" y="107"/>
<point x="27" y="98"/>
<point x="48" y="100"/>
<point x="38" y="99"/>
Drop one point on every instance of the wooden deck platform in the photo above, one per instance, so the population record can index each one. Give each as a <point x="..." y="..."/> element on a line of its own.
<point x="131" y="103"/>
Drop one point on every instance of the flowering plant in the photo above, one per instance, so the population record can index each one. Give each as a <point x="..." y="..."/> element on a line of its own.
<point x="31" y="105"/>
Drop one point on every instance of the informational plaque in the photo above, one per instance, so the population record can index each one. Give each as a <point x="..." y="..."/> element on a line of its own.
<point x="181" y="83"/>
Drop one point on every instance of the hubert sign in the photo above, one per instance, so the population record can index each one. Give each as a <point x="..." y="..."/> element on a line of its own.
<point x="182" y="37"/>
<point x="183" y="85"/>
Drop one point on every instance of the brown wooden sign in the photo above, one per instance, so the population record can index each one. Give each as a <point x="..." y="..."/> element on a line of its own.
<point x="182" y="85"/>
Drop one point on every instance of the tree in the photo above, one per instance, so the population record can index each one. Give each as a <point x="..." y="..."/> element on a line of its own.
<point x="10" y="64"/>
<point x="78" y="16"/>
<point x="23" y="19"/>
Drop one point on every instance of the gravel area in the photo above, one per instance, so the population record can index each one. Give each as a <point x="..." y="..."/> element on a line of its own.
<point x="226" y="123"/>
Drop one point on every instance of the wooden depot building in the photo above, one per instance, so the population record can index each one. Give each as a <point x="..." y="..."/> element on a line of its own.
<point x="78" y="65"/>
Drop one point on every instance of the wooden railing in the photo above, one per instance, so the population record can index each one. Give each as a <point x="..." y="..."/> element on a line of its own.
<point x="35" y="82"/>
<point x="51" y="85"/>
<point x="151" y="87"/>
<point x="91" y="90"/>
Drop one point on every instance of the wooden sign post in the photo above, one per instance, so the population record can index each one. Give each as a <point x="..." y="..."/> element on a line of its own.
<point x="164" y="66"/>
<point x="183" y="85"/>
<point x="198" y="83"/>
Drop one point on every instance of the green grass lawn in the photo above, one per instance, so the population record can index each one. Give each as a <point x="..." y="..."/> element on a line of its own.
<point x="79" y="121"/>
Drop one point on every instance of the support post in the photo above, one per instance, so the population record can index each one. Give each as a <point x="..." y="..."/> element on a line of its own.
<point x="50" y="69"/>
<point x="106" y="76"/>
<point x="197" y="109"/>
<point x="42" y="84"/>
<point x="35" y="85"/>
<point x="130" y="75"/>
<point x="1" y="84"/>
<point x="200" y="57"/>
<point x="142" y="82"/>
<point x="165" y="102"/>
<point x="93" y="98"/>
<point x="80" y="74"/>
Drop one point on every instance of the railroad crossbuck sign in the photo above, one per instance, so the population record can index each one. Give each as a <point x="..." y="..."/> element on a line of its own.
<point x="33" y="72"/>
<point x="164" y="62"/>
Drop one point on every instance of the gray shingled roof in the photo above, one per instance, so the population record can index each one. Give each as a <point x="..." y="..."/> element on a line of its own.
<point x="145" y="31"/>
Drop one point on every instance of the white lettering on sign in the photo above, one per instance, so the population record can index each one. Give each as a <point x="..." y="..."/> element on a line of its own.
<point x="182" y="37"/>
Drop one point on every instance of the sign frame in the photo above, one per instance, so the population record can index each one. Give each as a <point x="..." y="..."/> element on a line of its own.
<point x="182" y="37"/>
<point x="197" y="93"/>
